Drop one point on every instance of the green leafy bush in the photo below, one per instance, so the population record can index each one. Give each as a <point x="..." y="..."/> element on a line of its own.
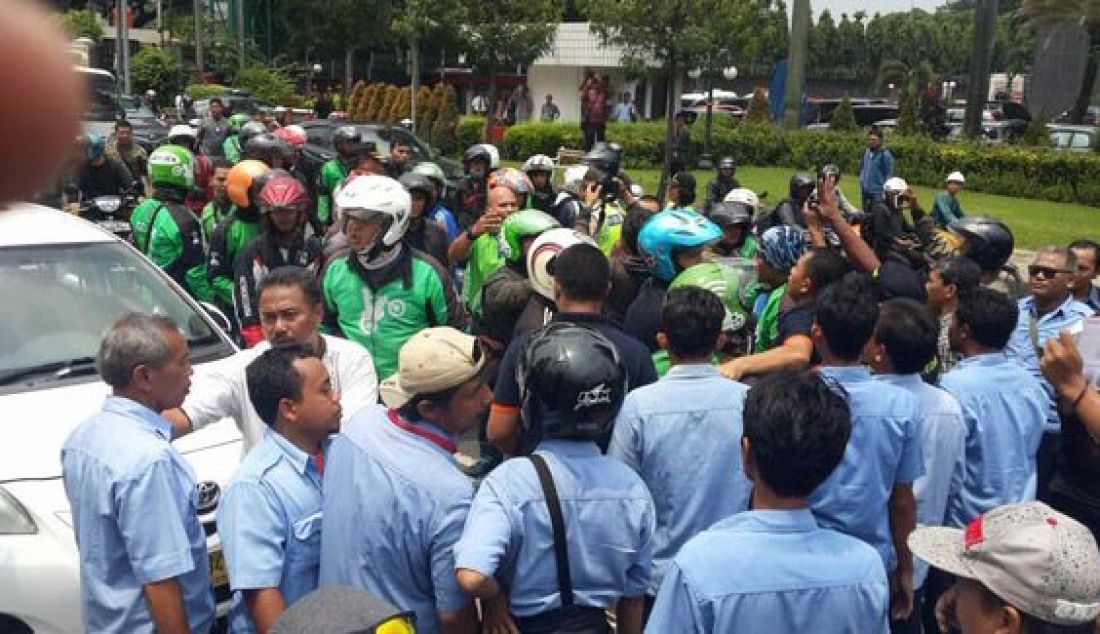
<point x="1009" y="170"/>
<point x="153" y="68"/>
<point x="81" y="23"/>
<point x="265" y="83"/>
<point x="469" y="132"/>
<point x="205" y="91"/>
<point x="844" y="119"/>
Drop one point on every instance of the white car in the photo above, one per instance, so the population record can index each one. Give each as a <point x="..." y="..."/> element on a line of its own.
<point x="63" y="281"/>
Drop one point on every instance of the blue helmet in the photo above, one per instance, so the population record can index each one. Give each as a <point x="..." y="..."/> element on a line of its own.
<point x="95" y="145"/>
<point x="669" y="232"/>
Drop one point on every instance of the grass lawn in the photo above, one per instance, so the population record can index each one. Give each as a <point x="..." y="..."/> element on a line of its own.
<point x="1034" y="223"/>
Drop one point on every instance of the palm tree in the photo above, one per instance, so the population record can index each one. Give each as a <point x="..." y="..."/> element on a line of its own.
<point x="1039" y="12"/>
<point x="910" y="78"/>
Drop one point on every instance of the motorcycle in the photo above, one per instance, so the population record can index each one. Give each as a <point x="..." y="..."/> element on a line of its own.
<point x="110" y="212"/>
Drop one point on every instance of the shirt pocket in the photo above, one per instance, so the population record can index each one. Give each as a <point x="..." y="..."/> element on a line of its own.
<point x="303" y="550"/>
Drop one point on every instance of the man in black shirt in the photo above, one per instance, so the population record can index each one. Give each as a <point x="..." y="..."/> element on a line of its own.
<point x="101" y="175"/>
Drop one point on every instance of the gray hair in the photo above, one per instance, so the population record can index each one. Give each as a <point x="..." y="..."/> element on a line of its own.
<point x="1067" y="254"/>
<point x="135" y="339"/>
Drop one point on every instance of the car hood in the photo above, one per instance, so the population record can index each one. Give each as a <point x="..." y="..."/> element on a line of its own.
<point x="34" y="425"/>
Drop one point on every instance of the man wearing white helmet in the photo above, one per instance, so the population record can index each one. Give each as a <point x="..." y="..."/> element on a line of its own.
<point x="946" y="208"/>
<point x="887" y="229"/>
<point x="568" y="205"/>
<point x="540" y="169"/>
<point x="382" y="292"/>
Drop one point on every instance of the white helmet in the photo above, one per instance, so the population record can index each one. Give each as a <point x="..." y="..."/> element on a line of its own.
<point x="574" y="177"/>
<point x="182" y="130"/>
<point x="541" y="256"/>
<point x="538" y="163"/>
<point x="432" y="171"/>
<point x="365" y="197"/>
<point x="743" y="196"/>
<point x="956" y="177"/>
<point x="895" y="185"/>
<point x="494" y="155"/>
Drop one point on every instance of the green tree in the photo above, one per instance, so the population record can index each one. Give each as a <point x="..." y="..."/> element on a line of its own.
<point x="759" y="109"/>
<point x="907" y="116"/>
<point x="445" y="128"/>
<point x="153" y="68"/>
<point x="266" y="83"/>
<point x="1036" y="134"/>
<point x="389" y="97"/>
<point x="908" y="78"/>
<point x="81" y="24"/>
<point x="418" y="21"/>
<point x="823" y="47"/>
<point x="844" y="119"/>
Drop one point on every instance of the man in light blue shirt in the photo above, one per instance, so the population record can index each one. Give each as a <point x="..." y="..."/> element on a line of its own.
<point x="905" y="339"/>
<point x="870" y="495"/>
<point x="774" y="569"/>
<point x="143" y="559"/>
<point x="876" y="167"/>
<point x="270" y="519"/>
<point x="682" y="434"/>
<point x="395" y="500"/>
<point x="574" y="384"/>
<point x="1003" y="406"/>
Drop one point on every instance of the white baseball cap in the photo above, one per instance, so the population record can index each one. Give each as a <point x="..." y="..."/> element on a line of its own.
<point x="956" y="177"/>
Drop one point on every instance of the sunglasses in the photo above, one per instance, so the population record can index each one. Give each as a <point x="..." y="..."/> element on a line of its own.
<point x="1047" y="272"/>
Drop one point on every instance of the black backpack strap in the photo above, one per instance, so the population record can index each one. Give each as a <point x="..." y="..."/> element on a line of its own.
<point x="557" y="522"/>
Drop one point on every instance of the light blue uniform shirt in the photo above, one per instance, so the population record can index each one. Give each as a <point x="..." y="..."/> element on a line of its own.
<point x="773" y="571"/>
<point x="395" y="504"/>
<point x="270" y="525"/>
<point x="1004" y="408"/>
<point x="943" y="442"/>
<point x="1021" y="346"/>
<point x="608" y="521"/>
<point x="884" y="450"/>
<point x="682" y="434"/>
<point x="134" y="504"/>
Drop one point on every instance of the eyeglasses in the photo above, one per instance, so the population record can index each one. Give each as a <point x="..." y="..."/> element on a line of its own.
<point x="1048" y="272"/>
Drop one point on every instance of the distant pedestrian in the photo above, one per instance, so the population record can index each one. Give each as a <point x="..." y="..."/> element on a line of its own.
<point x="875" y="169"/>
<point x="624" y="111"/>
<point x="946" y="208"/>
<point x="322" y="108"/>
<point x="550" y="110"/>
<point x="593" y="109"/>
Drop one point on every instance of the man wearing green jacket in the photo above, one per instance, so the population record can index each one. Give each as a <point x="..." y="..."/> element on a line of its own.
<point x="235" y="231"/>
<point x="220" y="207"/>
<point x="946" y="208"/>
<point x="165" y="230"/>
<point x="345" y="140"/>
<point x="231" y="146"/>
<point x="383" y="292"/>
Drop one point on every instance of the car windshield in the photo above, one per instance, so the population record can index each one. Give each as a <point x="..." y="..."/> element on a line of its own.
<point x="69" y="295"/>
<point x="103" y="99"/>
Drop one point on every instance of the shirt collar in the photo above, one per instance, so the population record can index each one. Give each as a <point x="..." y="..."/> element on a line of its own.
<point x="571" y="448"/>
<point x="984" y="359"/>
<point x="773" y="521"/>
<point x="692" y="371"/>
<point x="1028" y="304"/>
<point x="583" y="318"/>
<point x="901" y="380"/>
<point x="136" y="411"/>
<point x="846" y="373"/>
<point x="299" y="459"/>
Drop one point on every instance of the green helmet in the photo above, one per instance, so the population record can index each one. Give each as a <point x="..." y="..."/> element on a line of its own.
<point x="522" y="224"/>
<point x="723" y="281"/>
<point x="238" y="120"/>
<point x="172" y="165"/>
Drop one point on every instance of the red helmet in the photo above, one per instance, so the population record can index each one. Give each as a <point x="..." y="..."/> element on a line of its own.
<point x="283" y="192"/>
<point x="292" y="134"/>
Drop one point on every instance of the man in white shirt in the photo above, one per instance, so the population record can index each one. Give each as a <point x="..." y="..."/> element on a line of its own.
<point x="291" y="308"/>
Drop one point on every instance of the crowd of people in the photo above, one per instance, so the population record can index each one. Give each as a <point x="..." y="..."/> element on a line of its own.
<point x="730" y="417"/>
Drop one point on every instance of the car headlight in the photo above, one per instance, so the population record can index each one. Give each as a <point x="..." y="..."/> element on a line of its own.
<point x="14" y="519"/>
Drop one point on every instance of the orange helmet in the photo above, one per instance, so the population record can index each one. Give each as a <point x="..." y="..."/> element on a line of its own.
<point x="241" y="178"/>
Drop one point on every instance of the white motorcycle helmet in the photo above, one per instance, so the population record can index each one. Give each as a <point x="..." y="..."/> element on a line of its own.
<point x="574" y="178"/>
<point x="494" y="155"/>
<point x="367" y="197"/>
<point x="538" y="163"/>
<point x="743" y="196"/>
<point x="540" y="258"/>
<point x="893" y="188"/>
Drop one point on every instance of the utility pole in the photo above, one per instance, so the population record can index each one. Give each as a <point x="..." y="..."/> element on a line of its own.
<point x="124" y="22"/>
<point x="240" y="34"/>
<point x="977" y="89"/>
<point x="414" y="74"/>
<point x="796" y="63"/>
<point x="198" y="37"/>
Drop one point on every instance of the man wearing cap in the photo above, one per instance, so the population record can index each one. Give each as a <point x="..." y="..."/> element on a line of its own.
<point x="1020" y="568"/>
<point x="396" y="501"/>
<point x="946" y="208"/>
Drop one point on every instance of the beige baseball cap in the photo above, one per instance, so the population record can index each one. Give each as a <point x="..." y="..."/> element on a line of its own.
<point x="432" y="360"/>
<point x="1029" y="555"/>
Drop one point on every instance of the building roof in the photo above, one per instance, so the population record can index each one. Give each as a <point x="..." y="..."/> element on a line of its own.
<point x="576" y="45"/>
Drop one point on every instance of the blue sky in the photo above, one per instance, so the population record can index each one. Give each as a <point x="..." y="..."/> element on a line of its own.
<point x="871" y="6"/>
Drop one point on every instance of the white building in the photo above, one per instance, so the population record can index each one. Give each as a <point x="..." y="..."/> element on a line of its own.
<point x="575" y="52"/>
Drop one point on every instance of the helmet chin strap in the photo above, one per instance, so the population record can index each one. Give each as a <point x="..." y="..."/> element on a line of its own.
<point x="377" y="256"/>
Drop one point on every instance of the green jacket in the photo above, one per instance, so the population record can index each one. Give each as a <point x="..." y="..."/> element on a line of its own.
<point x="484" y="259"/>
<point x="332" y="174"/>
<point x="382" y="319"/>
<point x="767" y="328"/>
<point x="229" y="238"/>
<point x="171" y="236"/>
<point x="231" y="148"/>
<point x="212" y="216"/>
<point x="946" y="209"/>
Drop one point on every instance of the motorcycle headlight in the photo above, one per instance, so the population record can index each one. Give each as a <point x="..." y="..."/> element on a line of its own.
<point x="108" y="204"/>
<point x="14" y="519"/>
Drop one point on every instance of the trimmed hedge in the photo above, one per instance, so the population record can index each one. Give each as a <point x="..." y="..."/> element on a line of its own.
<point x="1007" y="170"/>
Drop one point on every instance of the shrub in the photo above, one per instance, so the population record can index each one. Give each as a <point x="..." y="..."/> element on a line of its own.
<point x="469" y="132"/>
<point x="356" y="99"/>
<point x="156" y="69"/>
<point x="759" y="109"/>
<point x="907" y="115"/>
<point x="81" y="23"/>
<point x="389" y="97"/>
<point x="1036" y="134"/>
<point x="205" y="91"/>
<point x="423" y="105"/>
<point x="445" y="128"/>
<point x="402" y="108"/>
<point x="265" y="83"/>
<point x="844" y="119"/>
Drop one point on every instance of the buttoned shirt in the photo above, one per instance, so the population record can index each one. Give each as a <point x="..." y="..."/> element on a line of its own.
<point x="1004" y="409"/>
<point x="1031" y="334"/>
<point x="682" y="434"/>
<point x="609" y="529"/>
<point x="395" y="505"/>
<point x="773" y="571"/>
<point x="221" y="391"/>
<point x="884" y="450"/>
<point x="943" y="443"/>
<point x="270" y="525"/>
<point x="134" y="505"/>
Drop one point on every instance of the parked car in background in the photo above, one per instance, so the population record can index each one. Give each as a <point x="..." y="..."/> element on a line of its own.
<point x="67" y="280"/>
<point x="994" y="132"/>
<point x="1092" y="115"/>
<point x="1073" y="138"/>
<point x="242" y="101"/>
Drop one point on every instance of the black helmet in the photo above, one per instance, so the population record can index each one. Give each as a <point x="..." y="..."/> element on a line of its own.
<point x="249" y="130"/>
<point x="800" y="181"/>
<point x="729" y="214"/>
<point x="414" y="182"/>
<point x="727" y="163"/>
<point x="830" y="170"/>
<point x="268" y="148"/>
<point x="572" y="383"/>
<point x="603" y="155"/>
<point x="345" y="134"/>
<point x="989" y="242"/>
<point x="475" y="152"/>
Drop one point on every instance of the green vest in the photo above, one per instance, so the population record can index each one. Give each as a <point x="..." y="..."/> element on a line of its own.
<point x="767" y="327"/>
